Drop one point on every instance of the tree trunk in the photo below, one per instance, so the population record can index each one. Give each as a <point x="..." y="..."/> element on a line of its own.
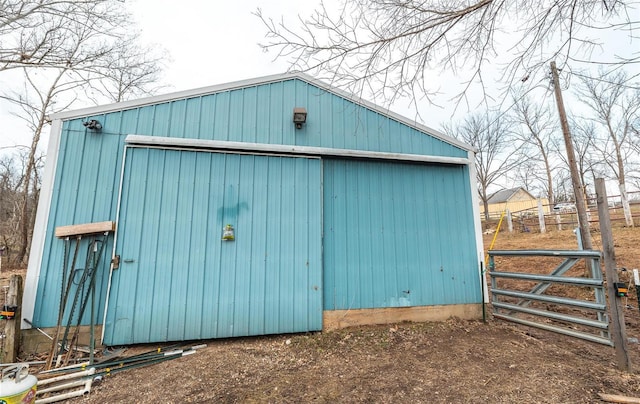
<point x="25" y="214"/>
<point x="628" y="218"/>
<point x="547" y="167"/>
<point x="485" y="202"/>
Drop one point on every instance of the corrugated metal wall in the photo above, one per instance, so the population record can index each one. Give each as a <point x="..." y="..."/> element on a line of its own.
<point x="178" y="280"/>
<point x="397" y="235"/>
<point x="89" y="164"/>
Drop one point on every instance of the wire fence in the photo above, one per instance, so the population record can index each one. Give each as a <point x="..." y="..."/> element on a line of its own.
<point x="559" y="217"/>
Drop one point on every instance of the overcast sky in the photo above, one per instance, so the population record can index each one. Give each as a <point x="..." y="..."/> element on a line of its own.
<point x="209" y="43"/>
<point x="216" y="42"/>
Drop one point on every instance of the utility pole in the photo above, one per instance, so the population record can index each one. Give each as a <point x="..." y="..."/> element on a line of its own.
<point x="578" y="189"/>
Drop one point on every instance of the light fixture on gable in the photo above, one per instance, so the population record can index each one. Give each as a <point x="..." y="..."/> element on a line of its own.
<point x="299" y="116"/>
<point x="93" y="125"/>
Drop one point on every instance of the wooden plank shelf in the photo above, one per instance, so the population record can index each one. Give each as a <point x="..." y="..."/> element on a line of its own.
<point x="84" y="229"/>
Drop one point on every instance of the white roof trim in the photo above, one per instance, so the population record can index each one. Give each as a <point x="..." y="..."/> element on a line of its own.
<point x="168" y="142"/>
<point x="197" y="92"/>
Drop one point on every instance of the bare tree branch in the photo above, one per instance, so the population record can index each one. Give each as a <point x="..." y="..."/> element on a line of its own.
<point x="391" y="47"/>
<point x="493" y="137"/>
<point x="616" y="110"/>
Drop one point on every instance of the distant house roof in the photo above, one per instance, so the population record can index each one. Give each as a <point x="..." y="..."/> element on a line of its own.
<point x="506" y="194"/>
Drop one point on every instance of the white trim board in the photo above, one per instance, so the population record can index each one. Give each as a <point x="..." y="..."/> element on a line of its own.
<point x="477" y="224"/>
<point x="143" y="140"/>
<point x="40" y="226"/>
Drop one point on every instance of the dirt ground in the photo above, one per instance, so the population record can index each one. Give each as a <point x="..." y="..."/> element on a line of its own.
<point x="449" y="362"/>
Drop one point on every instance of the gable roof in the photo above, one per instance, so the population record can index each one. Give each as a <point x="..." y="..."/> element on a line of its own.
<point x="197" y="92"/>
<point x="506" y="194"/>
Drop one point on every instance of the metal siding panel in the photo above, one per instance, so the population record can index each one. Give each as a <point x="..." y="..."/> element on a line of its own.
<point x="300" y="248"/>
<point x="207" y="118"/>
<point x="266" y="281"/>
<point x="128" y="121"/>
<point x="65" y="194"/>
<point x="161" y="120"/>
<point x="193" y="120"/>
<point x="135" y="236"/>
<point x="236" y="100"/>
<point x="378" y="221"/>
<point x="329" y="240"/>
<point x="222" y="116"/>
<point x="177" y="119"/>
<point x="228" y="215"/>
<point x="289" y="102"/>
<point x="304" y="136"/>
<point x="104" y="208"/>
<point x="258" y="257"/>
<point x="263" y="117"/>
<point x="243" y="264"/>
<point x="298" y="279"/>
<point x="240" y="115"/>
<point x="326" y="124"/>
<point x="164" y="247"/>
<point x="351" y="243"/>
<point x="90" y="162"/>
<point x="374" y="131"/>
<point x="335" y="231"/>
<point x="350" y="117"/>
<point x="181" y="268"/>
<point x="386" y="269"/>
<point x="249" y="115"/>
<point x="395" y="247"/>
<point x="271" y="307"/>
<point x="287" y="214"/>
<point x="416" y="226"/>
<point x="200" y="230"/>
<point x="144" y="124"/>
<point x="314" y="265"/>
<point x="276" y="116"/>
<point x="212" y="284"/>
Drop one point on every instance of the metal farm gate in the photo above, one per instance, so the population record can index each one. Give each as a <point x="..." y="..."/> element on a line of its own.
<point x="535" y="300"/>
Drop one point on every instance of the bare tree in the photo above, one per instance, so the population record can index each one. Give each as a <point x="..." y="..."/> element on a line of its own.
<point x="527" y="174"/>
<point x="563" y="190"/>
<point x="390" y="46"/>
<point x="9" y="204"/>
<point x="492" y="136"/>
<point x="94" y="60"/>
<point x="616" y="107"/>
<point x="35" y="103"/>
<point x="128" y="71"/>
<point x="35" y="33"/>
<point x="588" y="163"/>
<point x="536" y="127"/>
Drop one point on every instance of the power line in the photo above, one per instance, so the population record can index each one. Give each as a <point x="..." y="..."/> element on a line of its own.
<point x="607" y="81"/>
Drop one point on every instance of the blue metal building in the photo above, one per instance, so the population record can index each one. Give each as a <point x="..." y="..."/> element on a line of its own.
<point x="355" y="216"/>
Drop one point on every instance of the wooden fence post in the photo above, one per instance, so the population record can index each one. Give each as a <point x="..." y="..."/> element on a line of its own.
<point x="616" y="313"/>
<point x="12" y="327"/>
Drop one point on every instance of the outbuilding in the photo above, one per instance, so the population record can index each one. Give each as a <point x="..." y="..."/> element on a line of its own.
<point x="274" y="205"/>
<point x="516" y="200"/>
